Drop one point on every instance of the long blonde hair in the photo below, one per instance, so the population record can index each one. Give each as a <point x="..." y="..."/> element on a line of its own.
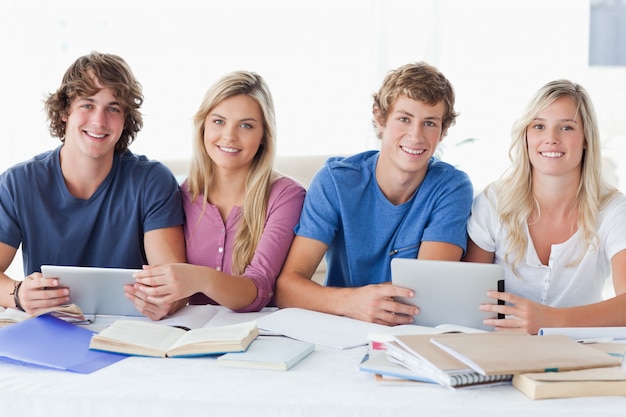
<point x="261" y="175"/>
<point x="514" y="190"/>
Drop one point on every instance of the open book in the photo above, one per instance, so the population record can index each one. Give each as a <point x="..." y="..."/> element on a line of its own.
<point x="143" y="338"/>
<point x="68" y="312"/>
<point x="335" y="331"/>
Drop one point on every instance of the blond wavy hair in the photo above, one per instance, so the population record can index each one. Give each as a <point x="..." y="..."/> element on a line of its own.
<point x="514" y="193"/>
<point x="261" y="175"/>
<point x="418" y="81"/>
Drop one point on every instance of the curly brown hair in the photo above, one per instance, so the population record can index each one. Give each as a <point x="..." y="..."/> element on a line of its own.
<point x="84" y="78"/>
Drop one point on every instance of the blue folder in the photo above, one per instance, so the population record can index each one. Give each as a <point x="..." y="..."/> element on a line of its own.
<point x="47" y="341"/>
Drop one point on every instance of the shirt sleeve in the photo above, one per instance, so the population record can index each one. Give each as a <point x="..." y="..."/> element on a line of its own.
<point x="615" y="222"/>
<point x="320" y="218"/>
<point x="283" y="212"/>
<point x="164" y="206"/>
<point x="480" y="226"/>
<point x="452" y="196"/>
<point x="9" y="228"/>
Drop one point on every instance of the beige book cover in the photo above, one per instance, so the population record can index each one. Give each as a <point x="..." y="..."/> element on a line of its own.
<point x="570" y="384"/>
<point x="512" y="353"/>
<point x="417" y="352"/>
<point x="421" y="347"/>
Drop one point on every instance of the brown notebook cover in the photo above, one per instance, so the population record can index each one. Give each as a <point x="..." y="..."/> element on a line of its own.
<point x="512" y="353"/>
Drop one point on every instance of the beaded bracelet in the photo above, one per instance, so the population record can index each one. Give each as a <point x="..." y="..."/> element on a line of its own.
<point x="15" y="294"/>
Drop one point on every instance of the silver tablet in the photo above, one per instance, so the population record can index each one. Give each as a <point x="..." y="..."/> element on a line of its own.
<point x="95" y="290"/>
<point x="448" y="292"/>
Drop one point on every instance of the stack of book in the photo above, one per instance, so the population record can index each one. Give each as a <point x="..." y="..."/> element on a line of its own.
<point x="457" y="360"/>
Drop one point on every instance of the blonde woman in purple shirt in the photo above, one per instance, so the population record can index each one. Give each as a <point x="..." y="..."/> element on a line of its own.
<point x="240" y="213"/>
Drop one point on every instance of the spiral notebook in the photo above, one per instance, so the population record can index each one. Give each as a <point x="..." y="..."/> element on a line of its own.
<point x="419" y="354"/>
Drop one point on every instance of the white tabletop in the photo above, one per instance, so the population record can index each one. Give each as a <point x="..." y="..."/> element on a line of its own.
<point x="326" y="383"/>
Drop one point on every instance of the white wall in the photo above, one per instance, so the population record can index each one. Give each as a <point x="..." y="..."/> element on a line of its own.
<point x="322" y="60"/>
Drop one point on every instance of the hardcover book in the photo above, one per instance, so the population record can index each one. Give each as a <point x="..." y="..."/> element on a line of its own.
<point x="570" y="384"/>
<point x="269" y="352"/>
<point x="514" y="353"/>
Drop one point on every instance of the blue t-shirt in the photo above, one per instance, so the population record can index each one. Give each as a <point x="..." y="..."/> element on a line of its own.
<point x="345" y="208"/>
<point x="107" y="230"/>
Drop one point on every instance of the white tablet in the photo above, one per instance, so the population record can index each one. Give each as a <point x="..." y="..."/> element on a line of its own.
<point x="448" y="292"/>
<point x="95" y="290"/>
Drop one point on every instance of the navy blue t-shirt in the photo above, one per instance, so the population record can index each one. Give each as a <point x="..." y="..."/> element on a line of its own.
<point x="107" y="230"/>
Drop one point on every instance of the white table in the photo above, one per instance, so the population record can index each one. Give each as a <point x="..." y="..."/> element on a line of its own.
<point x="327" y="383"/>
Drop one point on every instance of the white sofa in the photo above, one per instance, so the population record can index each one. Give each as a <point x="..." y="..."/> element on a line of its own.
<point x="300" y="168"/>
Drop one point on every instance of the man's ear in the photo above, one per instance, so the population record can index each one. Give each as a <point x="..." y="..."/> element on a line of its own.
<point x="380" y="125"/>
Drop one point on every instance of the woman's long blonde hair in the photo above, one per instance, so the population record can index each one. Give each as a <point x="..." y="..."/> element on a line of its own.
<point x="514" y="190"/>
<point x="261" y="175"/>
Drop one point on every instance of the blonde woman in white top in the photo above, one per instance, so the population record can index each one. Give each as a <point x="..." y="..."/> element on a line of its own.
<point x="557" y="228"/>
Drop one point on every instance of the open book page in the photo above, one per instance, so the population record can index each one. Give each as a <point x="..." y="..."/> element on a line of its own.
<point x="225" y="316"/>
<point x="318" y="328"/>
<point x="214" y="340"/>
<point x="215" y="335"/>
<point x="67" y="312"/>
<point x="336" y="331"/>
<point x="140" y="333"/>
<point x="188" y="317"/>
<point x="151" y="339"/>
<point x="192" y="316"/>
<point x="11" y="316"/>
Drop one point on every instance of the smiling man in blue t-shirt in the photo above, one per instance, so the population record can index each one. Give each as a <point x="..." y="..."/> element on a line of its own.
<point x="363" y="210"/>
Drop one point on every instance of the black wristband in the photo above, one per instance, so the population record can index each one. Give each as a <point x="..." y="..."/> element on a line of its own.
<point x="15" y="294"/>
